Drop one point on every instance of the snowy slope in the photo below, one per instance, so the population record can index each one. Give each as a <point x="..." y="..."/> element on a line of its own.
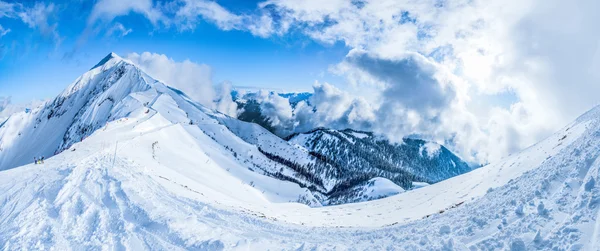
<point x="154" y="181"/>
<point x="98" y="96"/>
<point x="129" y="195"/>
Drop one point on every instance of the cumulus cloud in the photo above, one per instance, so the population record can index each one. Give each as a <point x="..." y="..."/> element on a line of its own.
<point x="335" y="108"/>
<point x="276" y="108"/>
<point x="327" y="107"/>
<point x="414" y="96"/>
<point x="195" y="80"/>
<point x="411" y="81"/>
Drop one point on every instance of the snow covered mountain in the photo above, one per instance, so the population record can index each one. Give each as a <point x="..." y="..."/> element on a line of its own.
<point x="116" y="89"/>
<point x="166" y="174"/>
<point x="98" y="96"/>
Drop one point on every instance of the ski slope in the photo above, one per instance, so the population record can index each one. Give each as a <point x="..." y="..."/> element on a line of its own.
<point x="171" y="175"/>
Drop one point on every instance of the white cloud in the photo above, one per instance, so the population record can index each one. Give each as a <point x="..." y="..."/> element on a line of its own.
<point x="208" y="10"/>
<point x="107" y="10"/>
<point x="328" y="106"/>
<point x="195" y="80"/>
<point x="191" y="12"/>
<point x="333" y="108"/>
<point x="3" y="31"/>
<point x="276" y="109"/>
<point x="411" y="80"/>
<point x="184" y="14"/>
<point x="431" y="149"/>
<point x="224" y="102"/>
<point x="118" y="30"/>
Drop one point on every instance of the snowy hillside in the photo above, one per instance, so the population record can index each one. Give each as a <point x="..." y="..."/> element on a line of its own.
<point x="156" y="171"/>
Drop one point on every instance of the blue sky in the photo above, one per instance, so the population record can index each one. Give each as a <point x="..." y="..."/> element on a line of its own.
<point x="35" y="65"/>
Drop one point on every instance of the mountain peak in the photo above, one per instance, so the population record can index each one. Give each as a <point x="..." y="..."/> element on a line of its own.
<point x="108" y="57"/>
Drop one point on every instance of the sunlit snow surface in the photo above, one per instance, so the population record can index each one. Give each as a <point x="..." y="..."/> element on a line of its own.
<point x="150" y="180"/>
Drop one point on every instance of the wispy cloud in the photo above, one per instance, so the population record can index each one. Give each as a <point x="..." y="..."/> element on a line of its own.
<point x="191" y="12"/>
<point x="3" y="31"/>
<point x="38" y="17"/>
<point x="7" y="9"/>
<point x="118" y="30"/>
<point x="107" y="10"/>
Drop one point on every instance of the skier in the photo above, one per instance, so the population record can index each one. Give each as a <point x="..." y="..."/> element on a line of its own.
<point x="35" y="160"/>
<point x="42" y="160"/>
